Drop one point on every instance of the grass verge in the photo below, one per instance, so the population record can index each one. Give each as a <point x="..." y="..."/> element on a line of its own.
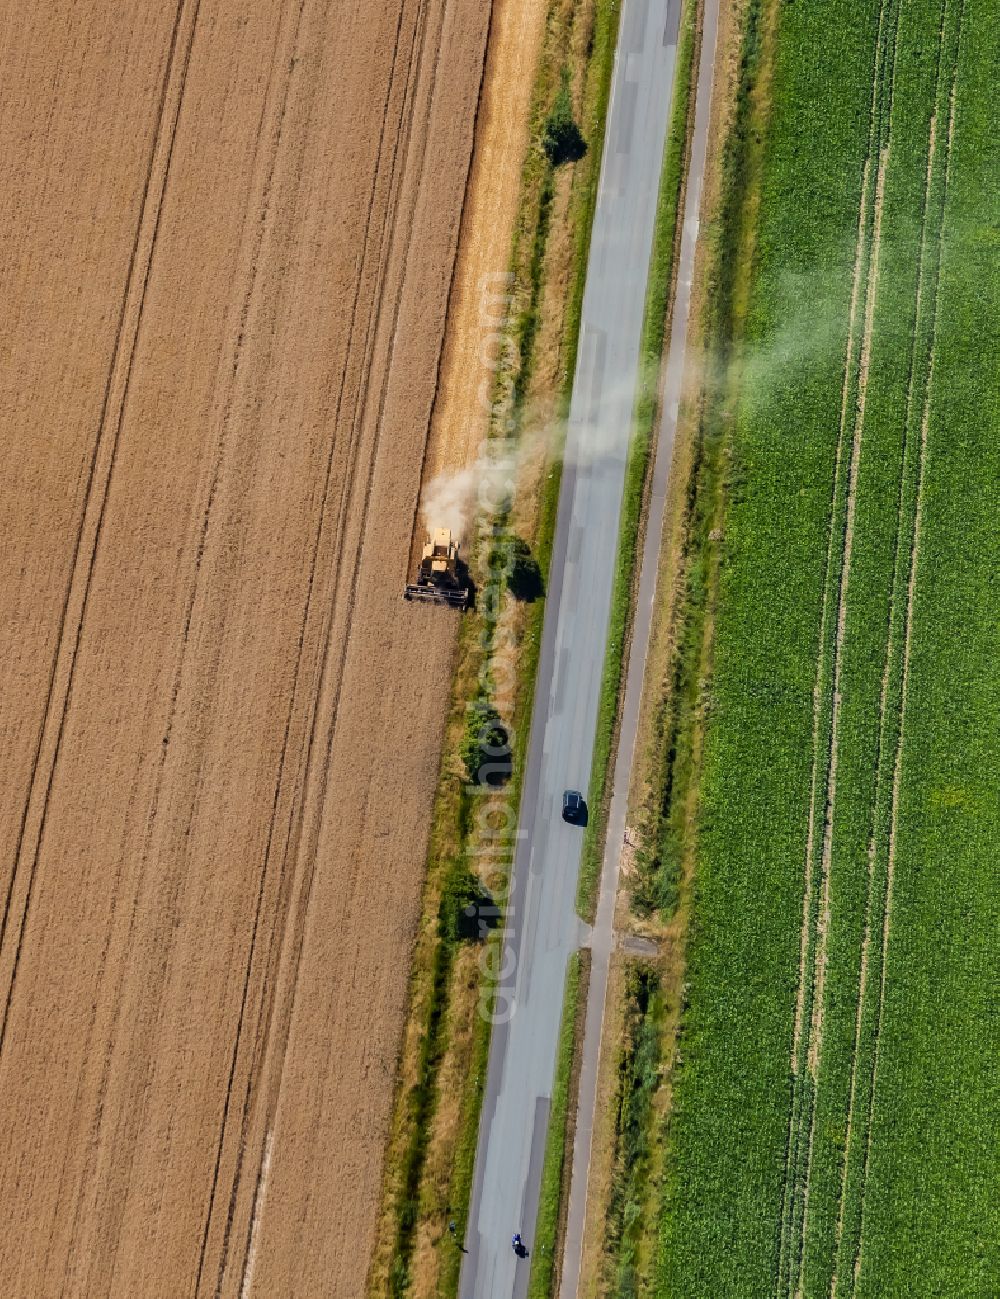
<point x="672" y="754"/>
<point x="638" y="1073"/>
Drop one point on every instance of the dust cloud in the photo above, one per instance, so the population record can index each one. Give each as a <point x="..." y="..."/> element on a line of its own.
<point x="811" y="332"/>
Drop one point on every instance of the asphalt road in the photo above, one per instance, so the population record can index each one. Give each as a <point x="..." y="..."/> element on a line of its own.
<point x="603" y="936"/>
<point x="542" y="925"/>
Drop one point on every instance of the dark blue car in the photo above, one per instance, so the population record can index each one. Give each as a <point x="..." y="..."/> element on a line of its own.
<point x="574" y="808"/>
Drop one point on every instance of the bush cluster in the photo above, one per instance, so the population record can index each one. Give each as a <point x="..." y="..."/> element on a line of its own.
<point x="562" y="139"/>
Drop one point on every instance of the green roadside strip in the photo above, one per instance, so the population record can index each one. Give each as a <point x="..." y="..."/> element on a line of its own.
<point x="638" y="1066"/>
<point x="546" y="1237"/>
<point x="654" y="328"/>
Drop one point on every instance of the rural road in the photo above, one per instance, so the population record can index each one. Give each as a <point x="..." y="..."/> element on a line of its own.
<point x="602" y="936"/>
<point x="542" y="925"/>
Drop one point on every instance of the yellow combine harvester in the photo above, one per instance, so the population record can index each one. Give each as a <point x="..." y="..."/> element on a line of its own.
<point x="441" y="575"/>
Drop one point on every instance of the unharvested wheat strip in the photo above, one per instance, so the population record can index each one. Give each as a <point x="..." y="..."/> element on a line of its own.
<point x="907" y="641"/>
<point x="888" y="672"/>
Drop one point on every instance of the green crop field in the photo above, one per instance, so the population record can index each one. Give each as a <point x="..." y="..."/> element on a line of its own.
<point x="836" y="1114"/>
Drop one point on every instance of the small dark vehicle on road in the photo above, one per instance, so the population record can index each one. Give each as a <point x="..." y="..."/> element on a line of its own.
<point x="518" y="1244"/>
<point x="574" y="808"/>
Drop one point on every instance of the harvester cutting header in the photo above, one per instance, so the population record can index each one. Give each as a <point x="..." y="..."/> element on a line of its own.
<point x="441" y="576"/>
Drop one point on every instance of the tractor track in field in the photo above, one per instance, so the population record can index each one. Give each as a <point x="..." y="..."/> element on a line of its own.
<point x="883" y="737"/>
<point x="815" y="1047"/>
<point x="385" y="238"/>
<point x="98" y="478"/>
<point x="808" y="1029"/>
<point x="279" y="783"/>
<point x="252" y="236"/>
<point x="808" y="1025"/>
<point x="912" y="553"/>
<point x="253" y="231"/>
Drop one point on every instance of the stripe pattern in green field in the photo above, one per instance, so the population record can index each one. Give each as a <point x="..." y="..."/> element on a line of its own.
<point x="840" y="834"/>
<point x="822" y="1212"/>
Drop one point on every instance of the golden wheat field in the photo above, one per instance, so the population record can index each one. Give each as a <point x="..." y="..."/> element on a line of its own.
<point x="229" y="236"/>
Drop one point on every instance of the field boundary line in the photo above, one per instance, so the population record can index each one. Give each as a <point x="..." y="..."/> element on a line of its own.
<point x="98" y="484"/>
